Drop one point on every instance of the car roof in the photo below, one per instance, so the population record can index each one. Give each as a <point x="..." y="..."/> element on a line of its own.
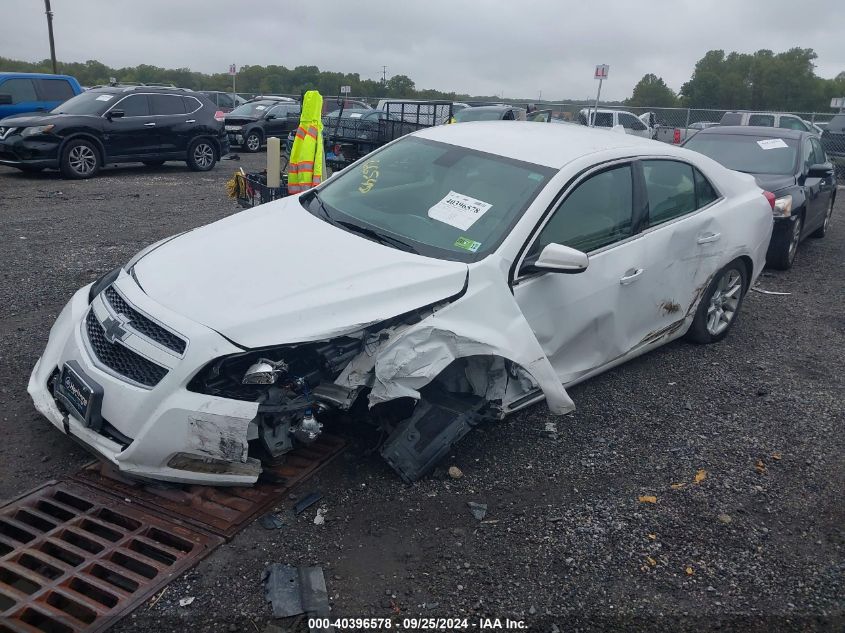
<point x="34" y="75"/>
<point x="493" y="108"/>
<point x="549" y="145"/>
<point x="755" y="130"/>
<point x="121" y="88"/>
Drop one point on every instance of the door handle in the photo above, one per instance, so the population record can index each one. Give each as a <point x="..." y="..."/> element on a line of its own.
<point x="631" y="276"/>
<point x="150" y="124"/>
<point x="708" y="237"/>
<point x="191" y="121"/>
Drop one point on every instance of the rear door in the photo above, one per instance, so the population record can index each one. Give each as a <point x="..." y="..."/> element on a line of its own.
<point x="827" y="186"/>
<point x="174" y="132"/>
<point x="817" y="190"/>
<point x="133" y="135"/>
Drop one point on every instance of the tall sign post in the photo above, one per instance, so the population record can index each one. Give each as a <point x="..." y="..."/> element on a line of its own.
<point x="602" y="71"/>
<point x="233" y="70"/>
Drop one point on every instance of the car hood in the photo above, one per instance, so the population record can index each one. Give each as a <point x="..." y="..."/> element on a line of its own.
<point x="27" y="120"/>
<point x="240" y="119"/>
<point x="774" y="182"/>
<point x="277" y="274"/>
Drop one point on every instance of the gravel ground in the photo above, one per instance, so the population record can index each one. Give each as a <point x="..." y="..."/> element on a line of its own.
<point x="756" y="545"/>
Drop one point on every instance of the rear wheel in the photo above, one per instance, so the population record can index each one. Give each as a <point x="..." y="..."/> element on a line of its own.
<point x="201" y="155"/>
<point x="720" y="305"/>
<point x="153" y="163"/>
<point x="80" y="159"/>
<point x="784" y="244"/>
<point x="252" y="142"/>
<point x="822" y="230"/>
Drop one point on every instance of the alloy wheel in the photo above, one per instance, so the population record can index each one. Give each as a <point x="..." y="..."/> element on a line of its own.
<point x="253" y="143"/>
<point x="82" y="160"/>
<point x="796" y="237"/>
<point x="724" y="302"/>
<point x="204" y="155"/>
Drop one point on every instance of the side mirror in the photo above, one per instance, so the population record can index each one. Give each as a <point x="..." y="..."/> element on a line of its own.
<point x="557" y="258"/>
<point x="115" y="114"/>
<point x="5" y="99"/>
<point x="820" y="170"/>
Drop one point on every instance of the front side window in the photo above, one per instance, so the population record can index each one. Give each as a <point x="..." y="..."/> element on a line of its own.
<point x="597" y="213"/>
<point x="134" y="105"/>
<point x="441" y="200"/>
<point x="55" y="89"/>
<point x="819" y="156"/>
<point x="670" y="188"/>
<point x="21" y="90"/>
<point x="166" y="104"/>
<point x="630" y="122"/>
<point x="791" y="123"/>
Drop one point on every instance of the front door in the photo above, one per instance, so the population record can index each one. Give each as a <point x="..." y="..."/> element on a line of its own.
<point x="584" y="321"/>
<point x="134" y="134"/>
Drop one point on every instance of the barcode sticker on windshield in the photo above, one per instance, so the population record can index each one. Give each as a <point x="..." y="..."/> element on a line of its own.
<point x="459" y="210"/>
<point x="772" y="143"/>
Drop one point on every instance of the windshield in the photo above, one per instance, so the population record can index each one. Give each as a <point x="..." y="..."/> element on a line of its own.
<point x="751" y="154"/>
<point x="86" y="103"/>
<point x="477" y="114"/>
<point x="442" y="200"/>
<point x="254" y="108"/>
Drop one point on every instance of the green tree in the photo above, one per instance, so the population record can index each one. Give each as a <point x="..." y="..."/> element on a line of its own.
<point x="400" y="86"/>
<point x="652" y="91"/>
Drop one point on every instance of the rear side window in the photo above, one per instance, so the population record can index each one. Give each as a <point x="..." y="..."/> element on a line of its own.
<point x="791" y="123"/>
<point x="704" y="192"/>
<point x="670" y="186"/>
<point x="818" y="152"/>
<point x="191" y="104"/>
<point x="166" y="104"/>
<point x="765" y="120"/>
<point x="597" y="213"/>
<point x="134" y="105"/>
<point x="54" y="89"/>
<point x="21" y="90"/>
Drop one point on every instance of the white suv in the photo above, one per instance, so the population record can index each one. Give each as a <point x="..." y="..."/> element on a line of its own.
<point x="611" y="118"/>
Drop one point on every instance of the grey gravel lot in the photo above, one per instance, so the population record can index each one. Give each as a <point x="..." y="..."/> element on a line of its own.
<point x="755" y="545"/>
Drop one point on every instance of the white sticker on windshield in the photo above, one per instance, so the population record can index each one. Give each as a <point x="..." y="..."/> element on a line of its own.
<point x="459" y="210"/>
<point x="772" y="143"/>
<point x="105" y="97"/>
<point x="260" y="107"/>
<point x="355" y="115"/>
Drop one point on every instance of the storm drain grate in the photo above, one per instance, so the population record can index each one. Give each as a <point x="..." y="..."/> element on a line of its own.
<point x="73" y="559"/>
<point x="223" y="511"/>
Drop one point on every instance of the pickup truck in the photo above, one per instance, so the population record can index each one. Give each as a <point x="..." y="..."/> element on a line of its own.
<point x="21" y="93"/>
<point x="607" y="118"/>
<point x="677" y="135"/>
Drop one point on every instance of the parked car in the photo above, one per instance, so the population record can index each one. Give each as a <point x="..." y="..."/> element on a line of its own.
<point x="251" y="124"/>
<point x="34" y="92"/>
<point x="481" y="268"/>
<point x="119" y="124"/>
<point x="833" y="142"/>
<point x="677" y="135"/>
<point x="225" y="101"/>
<point x="789" y="163"/>
<point x="611" y="118"/>
<point x="489" y="113"/>
<point x="766" y="119"/>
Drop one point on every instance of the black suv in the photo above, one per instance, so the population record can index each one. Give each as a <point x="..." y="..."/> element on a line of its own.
<point x="250" y="124"/>
<point x="833" y="141"/>
<point x="116" y="124"/>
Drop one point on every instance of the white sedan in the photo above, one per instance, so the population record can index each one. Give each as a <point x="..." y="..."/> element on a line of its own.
<point x="453" y="276"/>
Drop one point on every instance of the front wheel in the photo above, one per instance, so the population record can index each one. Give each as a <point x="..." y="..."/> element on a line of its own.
<point x="720" y="305"/>
<point x="784" y="244"/>
<point x="201" y="155"/>
<point x="252" y="142"/>
<point x="80" y="159"/>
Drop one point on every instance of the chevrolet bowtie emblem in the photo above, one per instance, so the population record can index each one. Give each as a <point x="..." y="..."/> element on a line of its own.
<point x="113" y="330"/>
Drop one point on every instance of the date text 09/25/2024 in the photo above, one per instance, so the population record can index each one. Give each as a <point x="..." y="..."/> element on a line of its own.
<point x="417" y="624"/>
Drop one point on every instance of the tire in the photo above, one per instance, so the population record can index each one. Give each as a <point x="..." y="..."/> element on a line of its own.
<point x="202" y="155"/>
<point x="823" y="229"/>
<point x="784" y="245"/>
<point x="153" y="163"/>
<point x="80" y="159"/>
<point x="719" y="306"/>
<point x="252" y="142"/>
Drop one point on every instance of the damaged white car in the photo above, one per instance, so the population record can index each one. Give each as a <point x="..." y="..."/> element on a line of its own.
<point x="454" y="276"/>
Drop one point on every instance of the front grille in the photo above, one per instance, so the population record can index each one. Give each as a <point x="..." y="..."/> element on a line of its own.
<point x="143" y="325"/>
<point x="120" y="359"/>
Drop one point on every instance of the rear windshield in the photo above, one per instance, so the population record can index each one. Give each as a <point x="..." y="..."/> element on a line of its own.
<point x="751" y="154"/>
<point x="87" y="103"/>
<point x="476" y="114"/>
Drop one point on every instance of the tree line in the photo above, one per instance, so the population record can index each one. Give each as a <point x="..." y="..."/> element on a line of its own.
<point x="747" y="81"/>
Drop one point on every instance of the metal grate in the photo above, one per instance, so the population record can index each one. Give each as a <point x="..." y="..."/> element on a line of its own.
<point x="121" y="359"/>
<point x="144" y="325"/>
<point x="74" y="559"/>
<point x="219" y="510"/>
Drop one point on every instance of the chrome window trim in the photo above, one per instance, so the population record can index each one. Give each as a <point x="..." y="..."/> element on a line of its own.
<point x="145" y="116"/>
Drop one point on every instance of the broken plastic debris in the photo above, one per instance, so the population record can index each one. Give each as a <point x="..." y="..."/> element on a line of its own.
<point x="647" y="499"/>
<point x="320" y="517"/>
<point x="700" y="476"/>
<point x="770" y="292"/>
<point x="271" y="521"/>
<point x="307" y="501"/>
<point x="479" y="510"/>
<point x="184" y="602"/>
<point x="292" y="590"/>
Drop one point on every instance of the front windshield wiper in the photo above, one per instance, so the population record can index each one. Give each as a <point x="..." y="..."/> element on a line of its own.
<point x="381" y="238"/>
<point x="322" y="207"/>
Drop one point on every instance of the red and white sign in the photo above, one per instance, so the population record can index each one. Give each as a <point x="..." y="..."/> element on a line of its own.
<point x="233" y="70"/>
<point x="602" y="71"/>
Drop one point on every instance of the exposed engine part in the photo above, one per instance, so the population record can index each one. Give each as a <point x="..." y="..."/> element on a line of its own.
<point x="264" y="372"/>
<point x="439" y="420"/>
<point x="308" y="429"/>
<point x="330" y="395"/>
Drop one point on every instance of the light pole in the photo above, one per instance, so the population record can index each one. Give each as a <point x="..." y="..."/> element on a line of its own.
<point x="50" y="32"/>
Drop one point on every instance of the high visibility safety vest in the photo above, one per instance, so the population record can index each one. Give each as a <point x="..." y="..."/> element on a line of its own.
<point x="307" y="162"/>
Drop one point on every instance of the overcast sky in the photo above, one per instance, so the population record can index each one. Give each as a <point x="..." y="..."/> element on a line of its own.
<point x="515" y="47"/>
